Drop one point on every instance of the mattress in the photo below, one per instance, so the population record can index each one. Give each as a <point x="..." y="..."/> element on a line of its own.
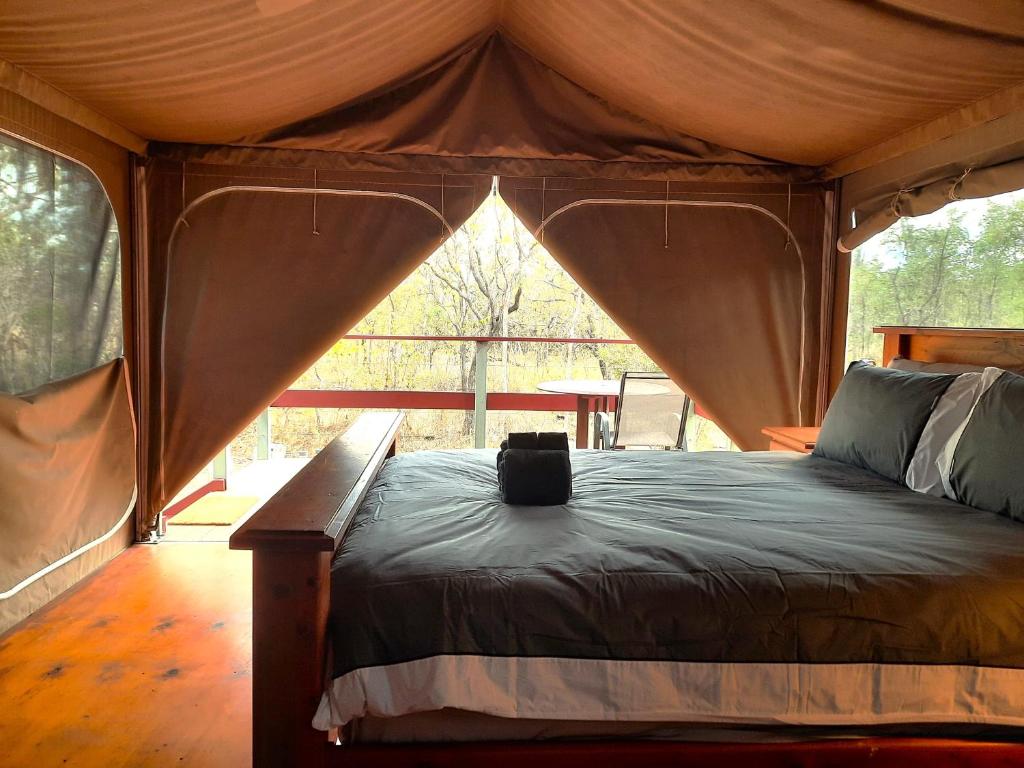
<point x="714" y="588"/>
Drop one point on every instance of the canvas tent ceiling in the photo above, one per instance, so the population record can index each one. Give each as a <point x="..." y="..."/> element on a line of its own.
<point x="804" y="83"/>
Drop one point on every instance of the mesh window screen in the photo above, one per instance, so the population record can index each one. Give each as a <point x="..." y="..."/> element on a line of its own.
<point x="60" y="271"/>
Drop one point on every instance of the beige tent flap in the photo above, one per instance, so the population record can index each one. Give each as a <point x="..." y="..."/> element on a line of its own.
<point x="721" y="296"/>
<point x="67" y="485"/>
<point x="256" y="281"/>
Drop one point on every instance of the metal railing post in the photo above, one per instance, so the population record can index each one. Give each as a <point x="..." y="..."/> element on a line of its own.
<point x="221" y="463"/>
<point x="480" y="400"/>
<point x="263" y="435"/>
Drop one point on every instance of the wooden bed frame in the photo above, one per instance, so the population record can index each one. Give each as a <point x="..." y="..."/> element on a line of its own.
<point x="293" y="538"/>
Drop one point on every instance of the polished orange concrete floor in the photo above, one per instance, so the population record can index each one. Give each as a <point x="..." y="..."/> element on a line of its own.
<point x="145" y="663"/>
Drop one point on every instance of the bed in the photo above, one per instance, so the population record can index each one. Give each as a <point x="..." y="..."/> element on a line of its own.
<point x="841" y="616"/>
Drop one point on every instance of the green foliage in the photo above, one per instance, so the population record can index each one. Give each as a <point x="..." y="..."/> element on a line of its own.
<point x="60" y="274"/>
<point x="939" y="274"/>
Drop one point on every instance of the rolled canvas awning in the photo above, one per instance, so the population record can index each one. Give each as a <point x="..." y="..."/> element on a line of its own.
<point x="982" y="162"/>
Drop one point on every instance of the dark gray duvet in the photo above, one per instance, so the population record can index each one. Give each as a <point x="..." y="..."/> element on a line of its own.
<point x="712" y="557"/>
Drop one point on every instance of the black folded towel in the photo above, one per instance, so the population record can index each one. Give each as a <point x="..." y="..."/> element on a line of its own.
<point x="522" y="440"/>
<point x="553" y="441"/>
<point x="533" y="441"/>
<point x="535" y="477"/>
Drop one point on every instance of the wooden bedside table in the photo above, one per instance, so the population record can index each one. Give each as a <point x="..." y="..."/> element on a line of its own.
<point x="799" y="439"/>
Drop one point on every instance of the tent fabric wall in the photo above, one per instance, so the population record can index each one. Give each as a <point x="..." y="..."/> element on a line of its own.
<point x="259" y="283"/>
<point x="67" y="449"/>
<point x="726" y="328"/>
<point x="67" y="484"/>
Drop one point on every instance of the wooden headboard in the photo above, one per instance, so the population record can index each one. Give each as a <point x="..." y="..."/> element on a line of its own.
<point x="1001" y="347"/>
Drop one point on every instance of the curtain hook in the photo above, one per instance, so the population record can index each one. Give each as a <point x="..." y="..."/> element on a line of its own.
<point x="443" y="219"/>
<point x="666" y="212"/>
<point x="543" y="205"/>
<point x="953" y="194"/>
<point x="789" y="209"/>
<point x="316" y="186"/>
<point x="183" y="219"/>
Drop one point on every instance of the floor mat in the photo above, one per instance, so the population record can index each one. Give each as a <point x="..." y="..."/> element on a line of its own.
<point x="215" y="509"/>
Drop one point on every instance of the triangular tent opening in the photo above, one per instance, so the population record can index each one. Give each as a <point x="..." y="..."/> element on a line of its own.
<point x="492" y="279"/>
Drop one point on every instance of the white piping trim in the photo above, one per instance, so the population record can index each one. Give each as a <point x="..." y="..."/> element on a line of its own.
<point x="717" y="204"/>
<point x="71" y="556"/>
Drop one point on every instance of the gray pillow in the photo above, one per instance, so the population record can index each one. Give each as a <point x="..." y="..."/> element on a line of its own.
<point x="988" y="463"/>
<point x="904" y="364"/>
<point x="877" y="416"/>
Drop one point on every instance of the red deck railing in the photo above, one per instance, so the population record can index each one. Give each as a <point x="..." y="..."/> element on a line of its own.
<point x="530" y="339"/>
<point x="480" y="401"/>
<point x="454" y="401"/>
<point x="408" y="400"/>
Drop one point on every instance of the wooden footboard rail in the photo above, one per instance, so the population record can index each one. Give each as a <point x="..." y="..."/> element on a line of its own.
<point x="293" y="537"/>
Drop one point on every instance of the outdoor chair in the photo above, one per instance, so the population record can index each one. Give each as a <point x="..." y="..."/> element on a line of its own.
<point x="652" y="413"/>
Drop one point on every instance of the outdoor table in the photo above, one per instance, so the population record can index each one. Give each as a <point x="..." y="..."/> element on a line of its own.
<point x="591" y="395"/>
